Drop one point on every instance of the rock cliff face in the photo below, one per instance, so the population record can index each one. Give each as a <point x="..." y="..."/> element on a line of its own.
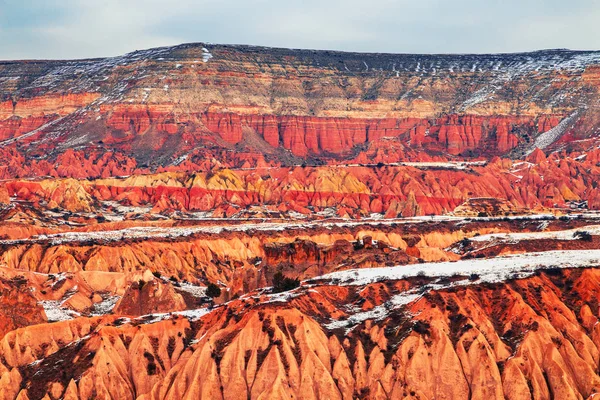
<point x="455" y="134"/>
<point x="234" y="222"/>
<point x="352" y="190"/>
<point x="253" y="109"/>
<point x="158" y="105"/>
<point x="18" y="307"/>
<point x="528" y="338"/>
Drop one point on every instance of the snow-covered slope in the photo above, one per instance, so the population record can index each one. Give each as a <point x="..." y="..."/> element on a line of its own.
<point x="489" y="270"/>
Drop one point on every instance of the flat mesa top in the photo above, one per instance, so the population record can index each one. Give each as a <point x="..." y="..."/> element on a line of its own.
<point x="352" y="61"/>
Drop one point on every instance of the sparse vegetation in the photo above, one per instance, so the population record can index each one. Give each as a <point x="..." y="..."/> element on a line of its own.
<point x="583" y="235"/>
<point x="465" y="243"/>
<point x="213" y="290"/>
<point x="282" y="283"/>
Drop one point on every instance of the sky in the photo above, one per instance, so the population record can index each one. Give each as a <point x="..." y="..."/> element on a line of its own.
<point x="62" y="29"/>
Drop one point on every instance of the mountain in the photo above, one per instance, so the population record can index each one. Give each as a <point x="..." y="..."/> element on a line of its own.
<point x="201" y="107"/>
<point x="159" y="105"/>
<point x="379" y="226"/>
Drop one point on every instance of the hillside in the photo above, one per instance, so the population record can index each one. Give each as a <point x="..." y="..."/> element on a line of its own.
<point x="237" y="222"/>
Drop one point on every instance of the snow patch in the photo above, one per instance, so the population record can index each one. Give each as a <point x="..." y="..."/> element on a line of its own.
<point x="55" y="312"/>
<point x="196" y="291"/>
<point x="487" y="270"/>
<point x="496" y="269"/>
<point x="105" y="306"/>
<point x="206" y="55"/>
<point x="547" y="138"/>
<point x="514" y="237"/>
<point x="192" y="315"/>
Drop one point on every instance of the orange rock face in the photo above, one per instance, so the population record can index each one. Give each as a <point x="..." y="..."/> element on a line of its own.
<point x="18" y="308"/>
<point x="60" y="104"/>
<point x="398" y="190"/>
<point x="324" y="106"/>
<point x="143" y="298"/>
<point x="233" y="222"/>
<point x="506" y="340"/>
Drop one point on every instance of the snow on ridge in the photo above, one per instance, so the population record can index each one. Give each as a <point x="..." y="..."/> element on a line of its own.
<point x="56" y="312"/>
<point x="89" y="72"/>
<point x="206" y="55"/>
<point x="105" y="306"/>
<point x="491" y="270"/>
<point x="197" y="291"/>
<point x="568" y="234"/>
<point x="495" y="269"/>
<point x="545" y="139"/>
<point x="155" y="232"/>
<point x="192" y="315"/>
<point x="508" y="65"/>
<point x="376" y="313"/>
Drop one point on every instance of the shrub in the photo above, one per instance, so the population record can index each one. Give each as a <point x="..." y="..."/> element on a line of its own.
<point x="358" y="245"/>
<point x="473" y="277"/>
<point x="583" y="235"/>
<point x="283" y="284"/>
<point x="213" y="290"/>
<point x="422" y="327"/>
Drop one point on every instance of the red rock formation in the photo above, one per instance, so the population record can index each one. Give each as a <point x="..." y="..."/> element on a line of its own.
<point x="18" y="308"/>
<point x="114" y="173"/>
<point x="4" y="195"/>
<point x="317" y="110"/>
<point x="151" y="297"/>
<point x="395" y="190"/>
<point x="536" y="157"/>
<point x="506" y="340"/>
<point x="309" y="135"/>
<point x="61" y="104"/>
<point x="14" y="126"/>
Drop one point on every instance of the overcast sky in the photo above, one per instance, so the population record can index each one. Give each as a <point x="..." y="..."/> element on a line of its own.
<point x="96" y="28"/>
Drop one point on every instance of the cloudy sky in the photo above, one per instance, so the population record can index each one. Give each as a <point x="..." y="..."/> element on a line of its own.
<point x="95" y="28"/>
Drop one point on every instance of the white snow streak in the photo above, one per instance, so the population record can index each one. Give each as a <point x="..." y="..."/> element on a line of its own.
<point x="550" y="136"/>
<point x="495" y="269"/>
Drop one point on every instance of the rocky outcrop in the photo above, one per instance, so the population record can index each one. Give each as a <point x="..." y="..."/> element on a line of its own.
<point x="150" y="297"/>
<point x="18" y="308"/>
<point x="400" y="190"/>
<point x="110" y="260"/>
<point x="324" y="110"/>
<point x="131" y="186"/>
<point x="4" y="195"/>
<point x="520" y="339"/>
<point x="240" y="261"/>
<point x="49" y="104"/>
<point x="454" y="134"/>
<point x="464" y="344"/>
<point x="305" y="258"/>
<point x="13" y="126"/>
<point x="94" y="358"/>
